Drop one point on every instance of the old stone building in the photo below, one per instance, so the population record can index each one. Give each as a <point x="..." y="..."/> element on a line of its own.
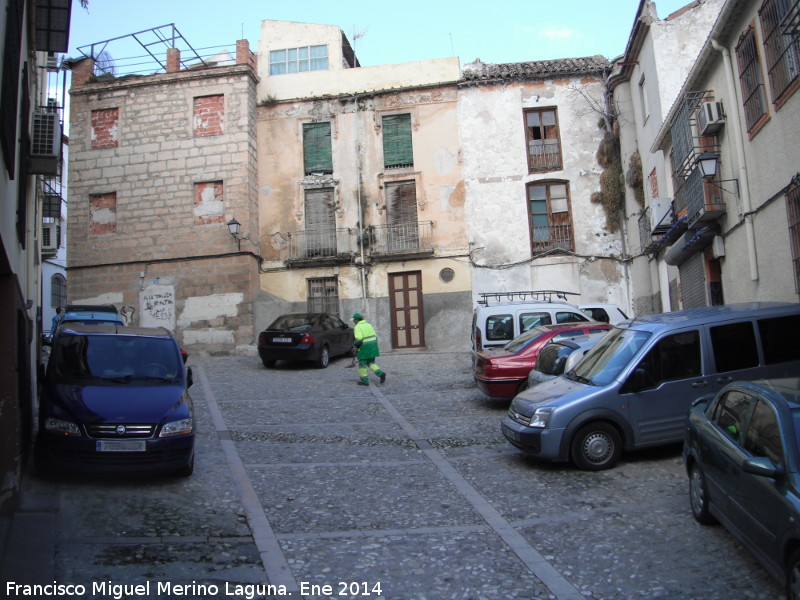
<point x="159" y="165"/>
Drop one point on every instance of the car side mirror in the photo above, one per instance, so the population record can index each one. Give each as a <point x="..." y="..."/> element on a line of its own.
<point x="761" y="466"/>
<point x="189" y="377"/>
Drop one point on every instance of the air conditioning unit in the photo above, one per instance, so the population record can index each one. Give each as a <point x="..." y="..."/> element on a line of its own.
<point x="45" y="151"/>
<point x="660" y="215"/>
<point x="49" y="237"/>
<point x="711" y="118"/>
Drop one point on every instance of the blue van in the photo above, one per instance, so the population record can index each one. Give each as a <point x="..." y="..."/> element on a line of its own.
<point x="634" y="388"/>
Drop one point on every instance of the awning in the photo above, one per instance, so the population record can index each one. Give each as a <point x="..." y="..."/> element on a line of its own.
<point x="692" y="242"/>
<point x="52" y="25"/>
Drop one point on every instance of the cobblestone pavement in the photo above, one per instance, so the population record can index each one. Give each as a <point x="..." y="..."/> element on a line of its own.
<point x="408" y="490"/>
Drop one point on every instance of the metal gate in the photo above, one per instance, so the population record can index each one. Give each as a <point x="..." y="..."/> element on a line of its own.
<point x="693" y="282"/>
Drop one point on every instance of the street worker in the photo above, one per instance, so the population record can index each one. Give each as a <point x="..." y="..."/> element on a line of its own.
<point x="366" y="343"/>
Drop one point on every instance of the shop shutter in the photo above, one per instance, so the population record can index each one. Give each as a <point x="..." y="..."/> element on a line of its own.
<point x="693" y="282"/>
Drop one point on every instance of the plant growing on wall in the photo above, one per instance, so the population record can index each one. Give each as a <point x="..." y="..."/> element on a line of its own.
<point x="612" y="181"/>
<point x="635" y="177"/>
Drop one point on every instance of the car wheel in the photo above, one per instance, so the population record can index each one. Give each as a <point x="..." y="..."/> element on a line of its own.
<point x="793" y="577"/>
<point x="596" y="446"/>
<point x="268" y="363"/>
<point x="698" y="496"/>
<point x="324" y="358"/>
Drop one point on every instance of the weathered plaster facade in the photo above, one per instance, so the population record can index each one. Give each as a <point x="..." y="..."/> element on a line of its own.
<point x="152" y="184"/>
<point x="354" y="102"/>
<point x="493" y="100"/>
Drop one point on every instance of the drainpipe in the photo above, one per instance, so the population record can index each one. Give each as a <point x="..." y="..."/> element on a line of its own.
<point x="736" y="135"/>
<point x="362" y="266"/>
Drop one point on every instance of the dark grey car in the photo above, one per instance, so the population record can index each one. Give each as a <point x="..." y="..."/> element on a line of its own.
<point x="314" y="337"/>
<point x="741" y="454"/>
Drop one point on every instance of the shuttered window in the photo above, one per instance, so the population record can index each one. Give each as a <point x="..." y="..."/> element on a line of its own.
<point x="397" y="151"/>
<point x="317" y="148"/>
<point x="401" y="216"/>
<point x="320" y="222"/>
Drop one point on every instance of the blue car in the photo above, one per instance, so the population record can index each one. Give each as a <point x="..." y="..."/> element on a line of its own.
<point x="742" y="458"/>
<point x="116" y="399"/>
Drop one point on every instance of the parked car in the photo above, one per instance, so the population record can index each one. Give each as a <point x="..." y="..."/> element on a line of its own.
<point x="559" y="357"/>
<point x="633" y="389"/>
<point x="316" y="337"/>
<point x="742" y="458"/>
<point x="604" y="313"/>
<point x="496" y="324"/>
<point x="86" y="314"/>
<point x="116" y="399"/>
<point x="502" y="373"/>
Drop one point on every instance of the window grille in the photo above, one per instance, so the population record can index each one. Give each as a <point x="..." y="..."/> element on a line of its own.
<point x="323" y="295"/>
<point x="751" y="79"/>
<point x="793" y="210"/>
<point x="782" y="51"/>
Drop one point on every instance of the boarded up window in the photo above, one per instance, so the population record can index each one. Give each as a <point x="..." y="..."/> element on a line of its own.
<point x="320" y="222"/>
<point x="397" y="151"/>
<point x="317" y="148"/>
<point x="209" y="115"/>
<point x="105" y="128"/>
<point x="103" y="213"/>
<point x="209" y="205"/>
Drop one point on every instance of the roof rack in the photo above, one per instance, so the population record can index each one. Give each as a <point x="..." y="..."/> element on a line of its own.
<point x="541" y="295"/>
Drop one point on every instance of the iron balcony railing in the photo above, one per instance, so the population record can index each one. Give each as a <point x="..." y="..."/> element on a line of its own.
<point x="316" y="245"/>
<point x="544" y="155"/>
<point x="552" y="237"/>
<point x="414" y="237"/>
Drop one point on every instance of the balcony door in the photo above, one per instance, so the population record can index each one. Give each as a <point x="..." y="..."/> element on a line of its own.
<point x="320" y="223"/>
<point x="405" y="300"/>
<point x="401" y="216"/>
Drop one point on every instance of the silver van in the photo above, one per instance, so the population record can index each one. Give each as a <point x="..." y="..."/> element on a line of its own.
<point x="496" y="324"/>
<point x="634" y="388"/>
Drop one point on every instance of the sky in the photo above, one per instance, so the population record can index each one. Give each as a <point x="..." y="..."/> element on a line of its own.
<point x="413" y="30"/>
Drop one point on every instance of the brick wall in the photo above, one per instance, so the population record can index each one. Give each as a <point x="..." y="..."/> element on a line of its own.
<point x="105" y="128"/>
<point x="209" y="115"/>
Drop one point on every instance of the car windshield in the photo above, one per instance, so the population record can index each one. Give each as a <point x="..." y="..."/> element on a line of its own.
<point x="611" y="354"/>
<point x="116" y="358"/>
<point x="523" y="340"/>
<point x="293" y="322"/>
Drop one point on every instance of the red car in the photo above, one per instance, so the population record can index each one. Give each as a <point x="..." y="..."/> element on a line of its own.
<point x="503" y="372"/>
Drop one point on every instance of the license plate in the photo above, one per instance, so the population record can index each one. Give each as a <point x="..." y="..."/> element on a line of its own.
<point x="122" y="446"/>
<point x="282" y="340"/>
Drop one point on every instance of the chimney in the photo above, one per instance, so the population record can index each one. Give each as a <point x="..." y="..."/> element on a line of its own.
<point x="173" y="60"/>
<point x="243" y="54"/>
<point x="82" y="71"/>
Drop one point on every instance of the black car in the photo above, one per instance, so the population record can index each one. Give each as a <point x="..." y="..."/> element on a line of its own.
<point x="313" y="337"/>
<point x="741" y="454"/>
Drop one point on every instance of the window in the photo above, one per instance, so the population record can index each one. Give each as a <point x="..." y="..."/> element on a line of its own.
<point x="105" y="128"/>
<point x="730" y="413"/>
<point x="528" y="321"/>
<point x="782" y="52"/>
<point x="542" y="137"/>
<point x="499" y="327"/>
<point x="209" y="115"/>
<point x="644" y="99"/>
<point x="673" y="358"/>
<point x="570" y="317"/>
<point x="298" y="60"/>
<point x="317" y="148"/>
<point x="793" y="210"/>
<point x="401" y="216"/>
<point x="397" y="149"/>
<point x="58" y="290"/>
<point x="320" y="223"/>
<point x="763" y="437"/>
<point x="779" y="339"/>
<point x="323" y="295"/>
<point x="751" y="79"/>
<point x="550" y="220"/>
<point x="734" y="346"/>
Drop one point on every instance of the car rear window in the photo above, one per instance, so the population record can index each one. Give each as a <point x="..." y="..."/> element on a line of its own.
<point x="290" y="322"/>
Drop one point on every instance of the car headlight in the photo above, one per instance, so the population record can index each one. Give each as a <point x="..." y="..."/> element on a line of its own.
<point x="540" y="417"/>
<point x="62" y="427"/>
<point x="180" y="427"/>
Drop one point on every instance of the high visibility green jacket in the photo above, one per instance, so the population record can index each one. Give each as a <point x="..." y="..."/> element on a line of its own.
<point x="366" y="340"/>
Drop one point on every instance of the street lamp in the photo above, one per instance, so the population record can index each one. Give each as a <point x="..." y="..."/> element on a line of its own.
<point x="233" y="227"/>
<point x="708" y="162"/>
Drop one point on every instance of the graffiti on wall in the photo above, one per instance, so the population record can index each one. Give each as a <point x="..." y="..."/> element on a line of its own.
<point x="157" y="305"/>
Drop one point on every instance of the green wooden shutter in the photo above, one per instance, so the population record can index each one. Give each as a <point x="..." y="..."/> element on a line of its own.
<point x="317" y="148"/>
<point x="397" y="150"/>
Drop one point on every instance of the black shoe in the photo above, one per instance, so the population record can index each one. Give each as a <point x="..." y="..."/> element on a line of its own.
<point x="363" y="382"/>
<point x="383" y="377"/>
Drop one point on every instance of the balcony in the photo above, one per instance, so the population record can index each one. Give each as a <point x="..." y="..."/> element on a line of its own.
<point x="657" y="232"/>
<point x="552" y="237"/>
<point x="325" y="246"/>
<point x="544" y="155"/>
<point x="400" y="239"/>
<point x="704" y="199"/>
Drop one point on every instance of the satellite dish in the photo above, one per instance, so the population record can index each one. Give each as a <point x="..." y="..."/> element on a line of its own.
<point x="104" y="64"/>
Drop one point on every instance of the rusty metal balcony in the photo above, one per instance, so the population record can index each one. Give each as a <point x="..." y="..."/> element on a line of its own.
<point x="320" y="246"/>
<point x="400" y="239"/>
<point x="552" y="237"/>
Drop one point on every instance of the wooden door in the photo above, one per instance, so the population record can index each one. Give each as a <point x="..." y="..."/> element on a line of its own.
<point x="405" y="299"/>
